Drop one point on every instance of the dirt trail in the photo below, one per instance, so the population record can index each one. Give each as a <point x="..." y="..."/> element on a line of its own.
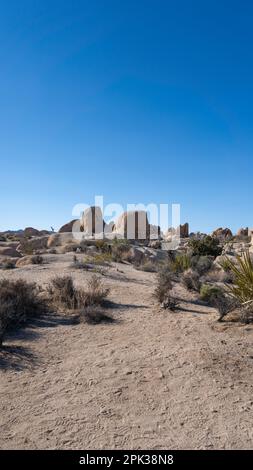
<point x="153" y="379"/>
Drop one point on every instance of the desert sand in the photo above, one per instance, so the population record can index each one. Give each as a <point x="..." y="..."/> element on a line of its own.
<point x="153" y="379"/>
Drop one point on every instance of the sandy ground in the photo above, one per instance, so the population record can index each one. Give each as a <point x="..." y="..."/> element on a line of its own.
<point x="151" y="380"/>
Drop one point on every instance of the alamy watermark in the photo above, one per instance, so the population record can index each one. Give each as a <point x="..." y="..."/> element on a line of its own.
<point x="134" y="221"/>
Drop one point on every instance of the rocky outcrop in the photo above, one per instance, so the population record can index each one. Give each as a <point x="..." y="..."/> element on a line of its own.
<point x="67" y="227"/>
<point x="31" y="232"/>
<point x="92" y="221"/>
<point x="222" y="233"/>
<point x="10" y="251"/>
<point x="133" y="225"/>
<point x="32" y="245"/>
<point x="243" y="232"/>
<point x="59" y="239"/>
<point x="24" y="261"/>
<point x="184" y="230"/>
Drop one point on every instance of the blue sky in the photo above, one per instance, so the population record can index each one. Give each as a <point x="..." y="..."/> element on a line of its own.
<point x="138" y="101"/>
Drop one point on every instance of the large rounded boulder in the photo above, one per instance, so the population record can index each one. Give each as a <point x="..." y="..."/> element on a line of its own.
<point x="133" y="225"/>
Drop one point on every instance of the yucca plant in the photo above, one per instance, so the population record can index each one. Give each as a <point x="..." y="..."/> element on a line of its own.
<point x="242" y="287"/>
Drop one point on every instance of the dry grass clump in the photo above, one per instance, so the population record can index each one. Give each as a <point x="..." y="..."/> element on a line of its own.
<point x="191" y="280"/>
<point x="218" y="275"/>
<point x="62" y="292"/>
<point x="147" y="266"/>
<point x="120" y="250"/>
<point x="224" y="304"/>
<point x="18" y="301"/>
<point x="94" y="294"/>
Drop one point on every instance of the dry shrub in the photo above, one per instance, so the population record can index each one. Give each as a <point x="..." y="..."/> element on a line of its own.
<point x="224" y="304"/>
<point x="217" y="275"/>
<point x="164" y="287"/>
<point x="201" y="264"/>
<point x="120" y="250"/>
<point x="94" y="294"/>
<point x="147" y="266"/>
<point x="190" y="280"/>
<point x="18" y="301"/>
<point x="93" y="315"/>
<point x="164" y="284"/>
<point x="62" y="292"/>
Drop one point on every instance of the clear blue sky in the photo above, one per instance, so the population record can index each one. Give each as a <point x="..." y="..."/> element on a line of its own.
<point x="136" y="100"/>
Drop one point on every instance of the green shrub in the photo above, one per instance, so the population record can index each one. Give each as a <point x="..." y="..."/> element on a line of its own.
<point x="120" y="248"/>
<point x="225" y="265"/>
<point x="208" y="246"/>
<point x="181" y="263"/>
<point x="209" y="292"/>
<point x="201" y="264"/>
<point x="242" y="288"/>
<point x="103" y="246"/>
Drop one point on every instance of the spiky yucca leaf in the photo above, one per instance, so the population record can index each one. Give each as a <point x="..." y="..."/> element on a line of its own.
<point x="242" y="287"/>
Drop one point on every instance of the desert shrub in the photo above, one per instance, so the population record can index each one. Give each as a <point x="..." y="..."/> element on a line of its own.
<point x="201" y="264"/>
<point x="37" y="259"/>
<point x="18" y="301"/>
<point x="120" y="249"/>
<point x="62" y="292"/>
<point x="93" y="315"/>
<point x="2" y="238"/>
<point x="94" y="294"/>
<point x="86" y="263"/>
<point x="209" y="292"/>
<point x="102" y="259"/>
<point x="225" y="265"/>
<point x="103" y="246"/>
<point x="208" y="246"/>
<point x="217" y="275"/>
<point x="224" y="304"/>
<point x="190" y="280"/>
<point x="170" y="302"/>
<point x="242" y="288"/>
<point x="164" y="284"/>
<point x="181" y="263"/>
<point x="147" y="266"/>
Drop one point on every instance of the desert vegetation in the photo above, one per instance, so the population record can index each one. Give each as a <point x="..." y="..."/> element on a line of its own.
<point x="21" y="300"/>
